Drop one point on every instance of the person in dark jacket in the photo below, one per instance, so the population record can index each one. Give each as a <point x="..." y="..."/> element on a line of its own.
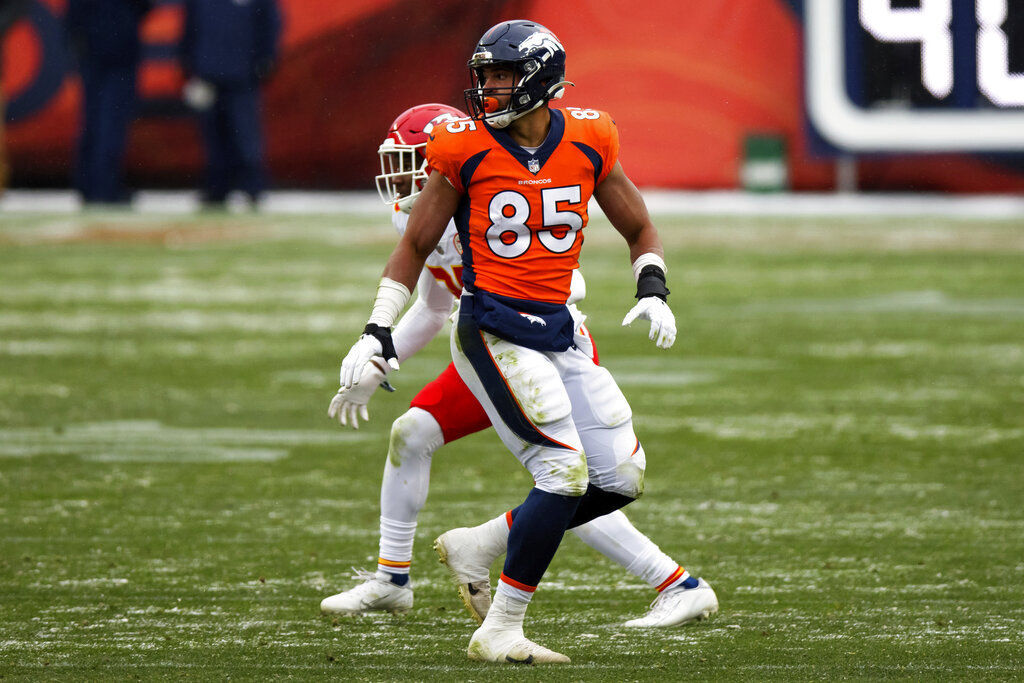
<point x="228" y="48"/>
<point x="104" y="39"/>
<point x="10" y="12"/>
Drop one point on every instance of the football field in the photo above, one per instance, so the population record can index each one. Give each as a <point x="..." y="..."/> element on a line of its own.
<point x="835" y="442"/>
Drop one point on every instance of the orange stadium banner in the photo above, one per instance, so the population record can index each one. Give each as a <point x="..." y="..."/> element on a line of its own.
<point x="687" y="83"/>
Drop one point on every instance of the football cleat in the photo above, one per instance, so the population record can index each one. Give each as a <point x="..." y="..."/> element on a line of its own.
<point x="468" y="560"/>
<point x="510" y="646"/>
<point x="677" y="606"/>
<point x="374" y="594"/>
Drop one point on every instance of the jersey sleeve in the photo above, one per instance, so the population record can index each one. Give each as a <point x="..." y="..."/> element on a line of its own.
<point x="443" y="156"/>
<point x="399" y="220"/>
<point x="424" y="319"/>
<point x="608" y="139"/>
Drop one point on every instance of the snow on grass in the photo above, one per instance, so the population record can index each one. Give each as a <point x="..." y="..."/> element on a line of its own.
<point x="152" y="441"/>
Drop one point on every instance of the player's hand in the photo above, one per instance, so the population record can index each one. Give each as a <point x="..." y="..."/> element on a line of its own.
<point x="348" y="405"/>
<point x="375" y="341"/>
<point x="663" y="323"/>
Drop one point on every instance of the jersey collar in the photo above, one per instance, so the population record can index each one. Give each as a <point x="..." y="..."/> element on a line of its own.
<point x="532" y="161"/>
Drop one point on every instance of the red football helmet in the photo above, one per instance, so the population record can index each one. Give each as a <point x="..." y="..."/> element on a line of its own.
<point x="403" y="167"/>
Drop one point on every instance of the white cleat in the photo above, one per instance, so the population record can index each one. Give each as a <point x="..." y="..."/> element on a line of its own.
<point x="374" y="594"/>
<point x="678" y="606"/>
<point x="468" y="560"/>
<point x="510" y="646"/>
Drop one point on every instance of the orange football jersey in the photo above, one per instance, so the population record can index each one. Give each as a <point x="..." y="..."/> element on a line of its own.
<point x="522" y="213"/>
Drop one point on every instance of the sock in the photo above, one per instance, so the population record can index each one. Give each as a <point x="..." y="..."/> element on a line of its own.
<point x="537" y="529"/>
<point x="513" y="590"/>
<point x="496" y="530"/>
<point x="506" y="611"/>
<point x="392" y="577"/>
<point x="396" y="539"/>
<point x="678" y="578"/>
<point x="415" y="435"/>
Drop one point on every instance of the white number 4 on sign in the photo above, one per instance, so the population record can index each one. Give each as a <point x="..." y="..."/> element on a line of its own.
<point x="929" y="24"/>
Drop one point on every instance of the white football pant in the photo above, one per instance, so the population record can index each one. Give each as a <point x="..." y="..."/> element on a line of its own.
<point x="549" y="409"/>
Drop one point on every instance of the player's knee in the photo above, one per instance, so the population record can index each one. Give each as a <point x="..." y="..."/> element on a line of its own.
<point x="566" y="476"/>
<point x="608" y="403"/>
<point x="625" y="474"/>
<point x="414" y="434"/>
<point x="630" y="471"/>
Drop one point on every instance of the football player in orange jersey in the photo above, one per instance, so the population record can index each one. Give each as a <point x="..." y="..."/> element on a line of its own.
<point x="517" y="178"/>
<point x="445" y="410"/>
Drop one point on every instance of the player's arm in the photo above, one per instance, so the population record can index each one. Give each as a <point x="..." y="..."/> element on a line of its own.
<point x="625" y="208"/>
<point x="425" y="317"/>
<point x="419" y="324"/>
<point x="430" y="215"/>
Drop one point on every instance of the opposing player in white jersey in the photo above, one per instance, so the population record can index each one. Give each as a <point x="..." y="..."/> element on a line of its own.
<point x="446" y="410"/>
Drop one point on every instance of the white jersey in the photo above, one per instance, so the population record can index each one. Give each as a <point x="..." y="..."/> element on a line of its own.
<point x="444" y="263"/>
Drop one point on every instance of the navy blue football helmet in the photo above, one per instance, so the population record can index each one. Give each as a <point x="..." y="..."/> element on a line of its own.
<point x="537" y="60"/>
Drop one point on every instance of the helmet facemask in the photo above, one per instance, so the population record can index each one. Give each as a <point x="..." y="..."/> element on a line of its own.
<point x="537" y="62"/>
<point x="403" y="172"/>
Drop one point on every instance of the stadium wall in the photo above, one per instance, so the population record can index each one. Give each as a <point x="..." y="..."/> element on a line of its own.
<point x="686" y="82"/>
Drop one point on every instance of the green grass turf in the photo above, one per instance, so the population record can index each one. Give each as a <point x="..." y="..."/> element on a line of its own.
<point x="836" y="442"/>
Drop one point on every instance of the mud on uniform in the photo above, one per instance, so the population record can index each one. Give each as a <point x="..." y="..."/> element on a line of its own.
<point x="447" y="398"/>
<point x="520" y="225"/>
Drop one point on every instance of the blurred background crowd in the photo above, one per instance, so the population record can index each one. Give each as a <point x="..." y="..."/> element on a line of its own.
<point x="107" y="95"/>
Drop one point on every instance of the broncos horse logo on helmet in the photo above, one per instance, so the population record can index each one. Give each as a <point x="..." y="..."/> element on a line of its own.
<point x="537" y="60"/>
<point x="542" y="40"/>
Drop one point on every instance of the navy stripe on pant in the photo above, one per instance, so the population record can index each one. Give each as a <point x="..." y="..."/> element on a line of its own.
<point x="472" y="342"/>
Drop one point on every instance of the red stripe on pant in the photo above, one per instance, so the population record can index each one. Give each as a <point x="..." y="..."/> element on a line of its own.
<point x="517" y="584"/>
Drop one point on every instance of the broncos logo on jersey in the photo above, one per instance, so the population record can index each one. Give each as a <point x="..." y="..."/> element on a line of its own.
<point x="535" y="319"/>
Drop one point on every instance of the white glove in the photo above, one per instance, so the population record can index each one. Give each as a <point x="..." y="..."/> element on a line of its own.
<point x="663" y="323"/>
<point x="365" y="348"/>
<point x="348" y="405"/>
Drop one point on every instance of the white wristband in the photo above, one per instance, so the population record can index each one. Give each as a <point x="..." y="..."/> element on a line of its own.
<point x="392" y="296"/>
<point x="648" y="259"/>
